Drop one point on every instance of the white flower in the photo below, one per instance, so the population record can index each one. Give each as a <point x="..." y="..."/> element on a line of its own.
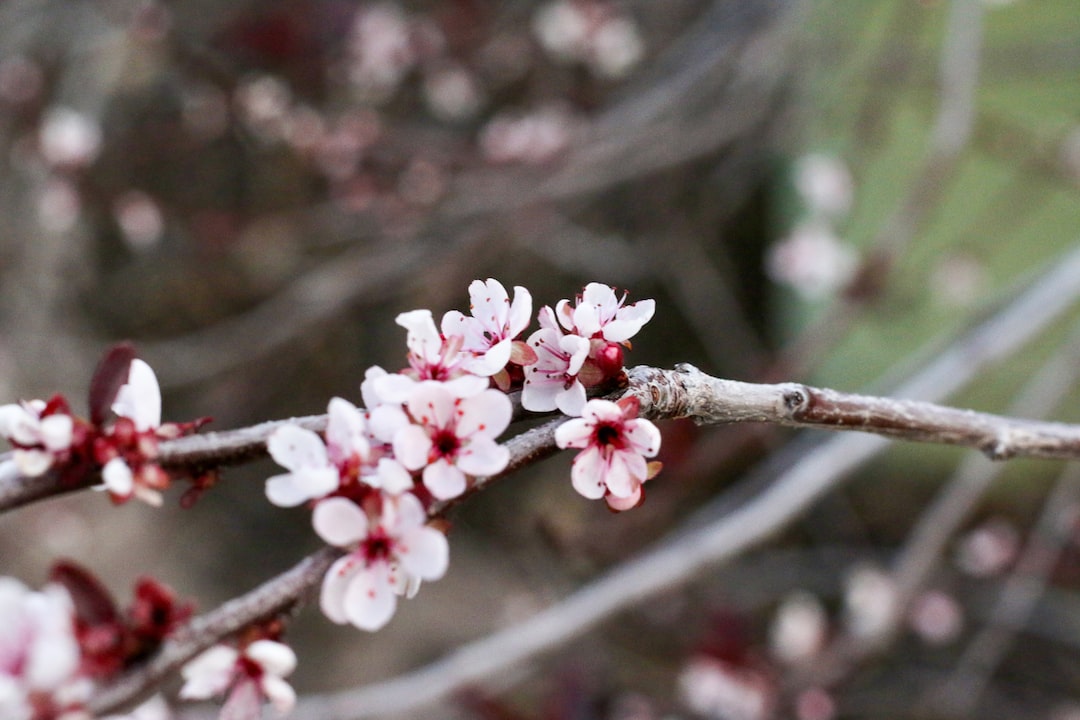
<point x="599" y="313"/>
<point x="259" y="670"/>
<point x="495" y="322"/>
<point x="430" y="358"/>
<point x="42" y="438"/>
<point x="39" y="654"/>
<point x="615" y="444"/>
<point x="453" y="437"/>
<point x="139" y="400"/>
<point x="393" y="553"/>
<point x="304" y="454"/>
<point x="812" y="261"/>
<point x="552" y="381"/>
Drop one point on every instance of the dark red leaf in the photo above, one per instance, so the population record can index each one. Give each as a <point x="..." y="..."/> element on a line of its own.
<point x="93" y="604"/>
<point x="111" y="373"/>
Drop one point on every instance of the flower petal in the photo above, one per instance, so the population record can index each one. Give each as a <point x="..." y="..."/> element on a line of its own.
<point x="56" y="432"/>
<point x="629" y="321"/>
<point x="571" y="401"/>
<point x="274" y="657"/>
<point x="487" y="414"/>
<point x="576" y="433"/>
<point x="644" y="437"/>
<point x="424" y="553"/>
<point x="334" y="586"/>
<point x="280" y="693"/>
<point x="369" y="599"/>
<point x="587" y="474"/>
<point x="412" y="446"/>
<point x="339" y="521"/>
<point x="392" y="477"/>
<point x="346" y="430"/>
<point x="140" y="399"/>
<point x="444" y="480"/>
<point x="483" y="456"/>
<point x="431" y="404"/>
<point x="118" y="477"/>
<point x="209" y="673"/>
<point x="293" y="447"/>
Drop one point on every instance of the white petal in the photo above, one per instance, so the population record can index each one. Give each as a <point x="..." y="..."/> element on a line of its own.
<point x="385" y="420"/>
<point x="369" y="600"/>
<point x="244" y="701"/>
<point x="487" y="414"/>
<point x="571" y="401"/>
<point x="425" y="553"/>
<point x="56" y="431"/>
<point x="644" y="437"/>
<point x="539" y="393"/>
<point x="408" y="513"/>
<point x="118" y="477"/>
<point x="279" y="692"/>
<point x="393" y="388"/>
<point x="292" y="489"/>
<point x="490" y="303"/>
<point x="140" y="399"/>
<point x="209" y="673"/>
<point x="431" y="404"/>
<point x="346" y="430"/>
<point x="368" y="387"/>
<point x="629" y="321"/>
<point x="627" y="503"/>
<point x="520" y="311"/>
<point x="422" y="339"/>
<point x="602" y="411"/>
<point x="483" y="456"/>
<point x="620" y="477"/>
<point x="293" y="447"/>
<point x="339" y="521"/>
<point x="444" y="480"/>
<point x="577" y="348"/>
<point x="466" y="386"/>
<point x="454" y="323"/>
<point x="18" y="424"/>
<point x="576" y="433"/>
<point x="411" y="446"/>
<point x="587" y="474"/>
<point x="492" y="361"/>
<point x="334" y="586"/>
<point x="392" y="476"/>
<point x="274" y="657"/>
<point x="32" y="463"/>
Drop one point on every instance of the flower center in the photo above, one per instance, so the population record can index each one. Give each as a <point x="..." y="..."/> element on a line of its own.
<point x="607" y="434"/>
<point x="446" y="443"/>
<point x="377" y="546"/>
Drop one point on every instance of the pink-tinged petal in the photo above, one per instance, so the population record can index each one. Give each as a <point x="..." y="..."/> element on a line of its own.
<point x="118" y="477"/>
<point x="602" y="411"/>
<point x="571" y="401"/>
<point x="431" y="404"/>
<point x="483" y="456"/>
<point x="545" y="317"/>
<point x="422" y="339"/>
<point x="601" y="296"/>
<point x="368" y="390"/>
<point x="392" y="388"/>
<point x="339" y="521"/>
<point x="487" y="414"/>
<point x="629" y="321"/>
<point x="140" y="399"/>
<point x="18" y="424"/>
<point x="576" y="433"/>
<point x="424" y="553"/>
<point x="443" y="480"/>
<point x="392" y="477"/>
<point x="274" y="657"/>
<point x="244" y="701"/>
<point x="56" y="432"/>
<point x="384" y="422"/>
<point x="334" y="586"/>
<point x="587" y="474"/>
<point x="490" y="303"/>
<point x="563" y="315"/>
<point x="622" y="504"/>
<point x="539" y="393"/>
<point x="280" y="693"/>
<point x="644" y="437"/>
<point x="635" y="464"/>
<point x="412" y="446"/>
<point x="520" y="312"/>
<point x="465" y="386"/>
<point x="209" y="673"/>
<point x="408" y="513"/>
<point x="577" y="348"/>
<point x="296" y="488"/>
<point x="619" y="478"/>
<point x="34" y="463"/>
<point x="294" y="448"/>
<point x="454" y="323"/>
<point x="369" y="599"/>
<point x="492" y="361"/>
<point x="346" y="430"/>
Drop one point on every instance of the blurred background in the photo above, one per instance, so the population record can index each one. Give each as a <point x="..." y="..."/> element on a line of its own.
<point x="823" y="191"/>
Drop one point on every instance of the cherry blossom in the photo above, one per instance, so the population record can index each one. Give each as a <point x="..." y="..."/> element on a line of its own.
<point x="453" y="437"/>
<point x="132" y="441"/>
<point x="599" y="313"/>
<point x="40" y="436"/>
<point x="552" y="381"/>
<point x="250" y="674"/>
<point x="318" y="469"/>
<point x="615" y="443"/>
<point x="431" y="357"/>
<point x="393" y="551"/>
<point x="495" y="322"/>
<point x="39" y="655"/>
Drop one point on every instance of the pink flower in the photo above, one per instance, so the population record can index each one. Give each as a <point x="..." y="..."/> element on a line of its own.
<point x="256" y="672"/>
<point x="393" y="553"/>
<point x="453" y="437"/>
<point x="600" y="314"/>
<point x="552" y="381"/>
<point x="495" y="322"/>
<point x="615" y="443"/>
<point x="430" y="358"/>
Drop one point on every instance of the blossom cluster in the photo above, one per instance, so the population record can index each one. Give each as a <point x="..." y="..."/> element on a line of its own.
<point x="119" y="441"/>
<point x="428" y="431"/>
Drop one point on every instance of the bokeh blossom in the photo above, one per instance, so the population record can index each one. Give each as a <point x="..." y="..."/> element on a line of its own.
<point x="256" y="671"/>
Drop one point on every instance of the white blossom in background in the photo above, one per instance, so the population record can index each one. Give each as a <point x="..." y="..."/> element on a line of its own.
<point x="46" y="437"/>
<point x="452" y="94"/>
<point x="264" y="104"/>
<point x="989" y="549"/>
<point x="489" y="331"/>
<point x="798" y="629"/>
<point x="870" y="602"/>
<point x="813" y="261"/>
<point x="39" y="655"/>
<point x="380" y="50"/>
<point x="589" y="32"/>
<point x="936" y="617"/>
<point x="452" y="437"/>
<point x="69" y="138"/>
<point x="249" y="675"/>
<point x="614" y="443"/>
<point x="390" y="555"/>
<point x="824" y="184"/>
<point x="530" y="138"/>
<point x="139" y="218"/>
<point x="715" y="689"/>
